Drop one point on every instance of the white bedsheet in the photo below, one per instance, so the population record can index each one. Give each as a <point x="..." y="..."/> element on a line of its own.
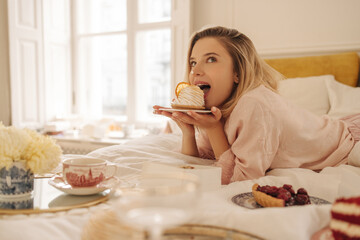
<point x="214" y="208"/>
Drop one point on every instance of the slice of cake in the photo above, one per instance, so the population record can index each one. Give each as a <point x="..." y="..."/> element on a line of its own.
<point x="272" y="196"/>
<point x="345" y="218"/>
<point x="189" y="97"/>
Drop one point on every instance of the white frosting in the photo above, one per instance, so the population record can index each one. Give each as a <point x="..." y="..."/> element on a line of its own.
<point x="351" y="230"/>
<point x="346" y="208"/>
<point x="190" y="96"/>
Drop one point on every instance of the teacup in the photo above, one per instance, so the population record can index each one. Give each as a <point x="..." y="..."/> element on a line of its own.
<point x="86" y="171"/>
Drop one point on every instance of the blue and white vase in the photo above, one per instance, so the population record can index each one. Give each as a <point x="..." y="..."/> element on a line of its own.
<point x="16" y="181"/>
<point x="26" y="202"/>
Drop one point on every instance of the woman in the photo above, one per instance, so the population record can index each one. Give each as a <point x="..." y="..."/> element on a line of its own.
<point x="251" y="128"/>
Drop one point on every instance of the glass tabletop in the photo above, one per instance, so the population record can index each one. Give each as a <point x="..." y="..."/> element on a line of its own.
<point x="47" y="198"/>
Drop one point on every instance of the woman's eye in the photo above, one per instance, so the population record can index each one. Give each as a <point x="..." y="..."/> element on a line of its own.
<point x="211" y="59"/>
<point x="192" y="64"/>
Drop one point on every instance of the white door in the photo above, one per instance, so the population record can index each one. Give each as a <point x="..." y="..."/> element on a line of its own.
<point x="39" y="42"/>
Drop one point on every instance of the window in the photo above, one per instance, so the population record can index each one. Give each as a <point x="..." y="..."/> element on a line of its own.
<point x="95" y="58"/>
<point x="122" y="60"/>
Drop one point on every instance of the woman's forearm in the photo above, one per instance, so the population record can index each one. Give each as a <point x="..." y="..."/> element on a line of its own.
<point x="189" y="146"/>
<point x="218" y="139"/>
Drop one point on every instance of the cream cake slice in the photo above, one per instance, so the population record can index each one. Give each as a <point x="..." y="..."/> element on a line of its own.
<point x="190" y="97"/>
<point x="345" y="218"/>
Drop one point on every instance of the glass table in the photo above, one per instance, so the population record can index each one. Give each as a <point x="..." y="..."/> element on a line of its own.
<point x="46" y="198"/>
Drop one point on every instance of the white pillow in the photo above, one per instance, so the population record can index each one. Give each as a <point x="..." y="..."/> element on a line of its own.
<point x="307" y="92"/>
<point x="344" y="100"/>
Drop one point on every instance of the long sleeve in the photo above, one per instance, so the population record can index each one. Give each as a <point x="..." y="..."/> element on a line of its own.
<point x="253" y="140"/>
<point x="265" y="131"/>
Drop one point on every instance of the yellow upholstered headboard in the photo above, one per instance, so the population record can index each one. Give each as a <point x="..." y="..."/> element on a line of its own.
<point x="344" y="66"/>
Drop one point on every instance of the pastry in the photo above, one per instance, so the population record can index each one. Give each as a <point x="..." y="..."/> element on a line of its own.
<point x="188" y="97"/>
<point x="345" y="218"/>
<point x="266" y="200"/>
<point x="272" y="196"/>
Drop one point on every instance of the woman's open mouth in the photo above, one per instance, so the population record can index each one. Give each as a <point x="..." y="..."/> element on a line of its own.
<point x="204" y="87"/>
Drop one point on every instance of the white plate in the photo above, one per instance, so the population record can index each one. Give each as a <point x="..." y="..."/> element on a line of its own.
<point x="59" y="183"/>
<point x="247" y="200"/>
<point x="185" y="110"/>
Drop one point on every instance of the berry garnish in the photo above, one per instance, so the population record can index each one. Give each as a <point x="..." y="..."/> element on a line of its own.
<point x="287" y="193"/>
<point x="302" y="191"/>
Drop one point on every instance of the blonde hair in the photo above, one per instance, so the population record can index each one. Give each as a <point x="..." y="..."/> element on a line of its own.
<point x="251" y="70"/>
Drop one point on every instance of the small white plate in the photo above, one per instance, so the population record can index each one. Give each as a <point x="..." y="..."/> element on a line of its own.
<point x="247" y="200"/>
<point x="185" y="110"/>
<point x="59" y="183"/>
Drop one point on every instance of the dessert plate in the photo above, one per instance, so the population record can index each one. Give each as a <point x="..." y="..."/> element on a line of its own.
<point x="59" y="183"/>
<point x="247" y="200"/>
<point x="185" y="110"/>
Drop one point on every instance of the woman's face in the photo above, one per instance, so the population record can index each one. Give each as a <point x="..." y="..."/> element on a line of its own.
<point x="212" y="70"/>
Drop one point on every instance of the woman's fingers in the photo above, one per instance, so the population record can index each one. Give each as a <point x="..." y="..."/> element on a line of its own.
<point x="203" y="120"/>
<point x="215" y="116"/>
<point x="190" y="117"/>
<point x="156" y="109"/>
<point x="161" y="112"/>
<point x="181" y="117"/>
<point x="217" y="113"/>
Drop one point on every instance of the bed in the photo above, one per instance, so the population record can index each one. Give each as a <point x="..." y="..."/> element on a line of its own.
<point x="322" y="84"/>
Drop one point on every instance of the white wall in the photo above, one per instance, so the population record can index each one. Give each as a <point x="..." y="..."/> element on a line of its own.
<point x="5" y="115"/>
<point x="283" y="27"/>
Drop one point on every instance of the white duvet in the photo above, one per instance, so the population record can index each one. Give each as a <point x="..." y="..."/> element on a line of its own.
<point x="214" y="208"/>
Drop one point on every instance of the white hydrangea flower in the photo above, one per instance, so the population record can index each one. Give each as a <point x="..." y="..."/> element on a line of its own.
<point x="40" y="152"/>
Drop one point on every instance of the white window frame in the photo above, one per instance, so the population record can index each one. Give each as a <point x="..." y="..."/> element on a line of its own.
<point x="42" y="109"/>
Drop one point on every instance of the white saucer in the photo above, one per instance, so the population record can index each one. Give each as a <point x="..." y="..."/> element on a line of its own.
<point x="59" y="183"/>
<point x="185" y="110"/>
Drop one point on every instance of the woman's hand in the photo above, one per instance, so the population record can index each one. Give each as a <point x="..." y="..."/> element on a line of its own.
<point x="203" y="121"/>
<point x="211" y="123"/>
<point x="187" y="129"/>
<point x="189" y="146"/>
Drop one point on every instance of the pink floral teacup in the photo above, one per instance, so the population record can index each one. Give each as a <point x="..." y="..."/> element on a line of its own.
<point x="86" y="171"/>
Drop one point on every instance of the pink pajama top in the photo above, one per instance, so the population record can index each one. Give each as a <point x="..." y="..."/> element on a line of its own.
<point x="265" y="131"/>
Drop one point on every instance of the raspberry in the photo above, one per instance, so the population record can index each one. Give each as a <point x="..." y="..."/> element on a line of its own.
<point x="302" y="199"/>
<point x="291" y="202"/>
<point x="284" y="195"/>
<point x="268" y="190"/>
<point x="287" y="193"/>
<point x="289" y="188"/>
<point x="273" y="191"/>
<point x="302" y="191"/>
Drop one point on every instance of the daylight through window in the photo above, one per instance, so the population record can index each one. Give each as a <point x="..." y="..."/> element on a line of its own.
<point x="121" y="60"/>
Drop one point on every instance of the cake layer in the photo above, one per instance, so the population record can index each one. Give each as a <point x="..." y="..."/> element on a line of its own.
<point x="341" y="236"/>
<point x="190" y="97"/>
<point x="186" y="106"/>
<point x="338" y="228"/>
<point x="354" y="219"/>
<point x="355" y="200"/>
<point x="346" y="208"/>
